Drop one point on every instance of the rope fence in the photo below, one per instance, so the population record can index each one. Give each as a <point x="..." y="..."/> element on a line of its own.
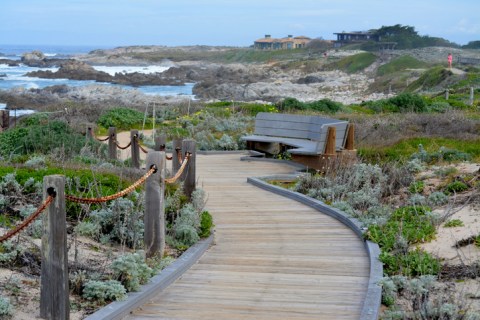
<point x="30" y="219"/>
<point x="117" y="195"/>
<point x="180" y="171"/>
<point x="54" y="287"/>
<point x="123" y="148"/>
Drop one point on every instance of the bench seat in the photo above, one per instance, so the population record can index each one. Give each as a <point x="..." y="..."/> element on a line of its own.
<point x="300" y="146"/>
<point x="307" y="135"/>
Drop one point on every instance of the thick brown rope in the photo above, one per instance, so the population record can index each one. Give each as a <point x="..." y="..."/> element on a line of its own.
<point x="180" y="171"/>
<point x="105" y="139"/>
<point x="143" y="149"/>
<point x="123" y="148"/>
<point x="152" y="170"/>
<point x="29" y="220"/>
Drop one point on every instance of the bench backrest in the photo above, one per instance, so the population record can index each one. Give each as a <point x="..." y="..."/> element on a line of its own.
<point x="300" y="127"/>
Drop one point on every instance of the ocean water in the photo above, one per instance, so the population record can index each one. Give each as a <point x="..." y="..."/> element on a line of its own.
<point x="14" y="77"/>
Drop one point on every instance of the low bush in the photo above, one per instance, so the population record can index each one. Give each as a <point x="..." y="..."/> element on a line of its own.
<point x="121" y="118"/>
<point x="53" y="138"/>
<point x="206" y="224"/>
<point x="456" y="187"/>
<point x="104" y="291"/>
<point x="131" y="270"/>
<point x="323" y="105"/>
<point x="405" y="227"/>
<point x="453" y="223"/>
<point x="6" y="308"/>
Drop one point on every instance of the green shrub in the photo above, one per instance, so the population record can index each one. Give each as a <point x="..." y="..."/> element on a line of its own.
<point x="55" y="136"/>
<point x="456" y="187"/>
<point x="416" y="187"/>
<point x="408" y="102"/>
<point x="453" y="223"/>
<point x="412" y="264"/>
<point x="121" y="118"/>
<point x="107" y="291"/>
<point x="406" y="226"/>
<point x="206" y="224"/>
<point x="323" y="105"/>
<point x="131" y="270"/>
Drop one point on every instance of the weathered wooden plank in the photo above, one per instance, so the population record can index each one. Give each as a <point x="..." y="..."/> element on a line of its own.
<point x="273" y="258"/>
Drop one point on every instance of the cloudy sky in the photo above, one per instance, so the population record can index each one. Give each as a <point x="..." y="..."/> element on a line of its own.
<point x="224" y="22"/>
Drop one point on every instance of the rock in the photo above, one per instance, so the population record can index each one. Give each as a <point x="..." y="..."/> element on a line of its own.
<point x="33" y="56"/>
<point x="310" y="79"/>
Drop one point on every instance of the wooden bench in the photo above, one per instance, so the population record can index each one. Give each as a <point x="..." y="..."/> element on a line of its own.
<point x="309" y="139"/>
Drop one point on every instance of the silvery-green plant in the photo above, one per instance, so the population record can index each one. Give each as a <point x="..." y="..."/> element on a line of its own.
<point x="9" y="252"/>
<point x="6" y="308"/>
<point x="437" y="198"/>
<point x="36" y="162"/>
<point x="102" y="291"/>
<point x="131" y="270"/>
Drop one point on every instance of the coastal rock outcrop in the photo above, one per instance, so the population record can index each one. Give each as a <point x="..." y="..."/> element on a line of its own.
<point x="73" y="70"/>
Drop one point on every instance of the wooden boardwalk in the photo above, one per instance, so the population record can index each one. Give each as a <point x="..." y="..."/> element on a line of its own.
<point x="273" y="258"/>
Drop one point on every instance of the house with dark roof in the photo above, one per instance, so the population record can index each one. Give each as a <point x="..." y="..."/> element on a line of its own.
<point x="289" y="42"/>
<point x="344" y="38"/>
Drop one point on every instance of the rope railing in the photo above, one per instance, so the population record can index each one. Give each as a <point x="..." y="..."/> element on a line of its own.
<point x="123" y="148"/>
<point x="143" y="149"/>
<point x="95" y="137"/>
<point x="51" y="196"/>
<point x="117" y="195"/>
<point x="180" y="171"/>
<point x="102" y="140"/>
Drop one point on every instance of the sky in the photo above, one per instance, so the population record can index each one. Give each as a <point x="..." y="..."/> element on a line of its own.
<point x="108" y="23"/>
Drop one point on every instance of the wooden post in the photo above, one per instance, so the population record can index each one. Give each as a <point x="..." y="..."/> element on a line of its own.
<point x="112" y="143"/>
<point x="135" y="149"/>
<point x="447" y="92"/>
<point x="4" y="119"/>
<point x="349" y="142"/>
<point x="177" y="147"/>
<point x="471" y="96"/>
<point x="160" y="142"/>
<point x="89" y="134"/>
<point x="330" y="143"/>
<point x="154" y="218"/>
<point x="189" y="146"/>
<point x="54" y="293"/>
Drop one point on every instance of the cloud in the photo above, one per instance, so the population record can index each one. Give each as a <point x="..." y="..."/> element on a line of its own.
<point x="465" y="26"/>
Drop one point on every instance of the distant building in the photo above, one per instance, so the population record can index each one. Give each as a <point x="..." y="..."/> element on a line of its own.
<point x="290" y="42"/>
<point x="344" y="38"/>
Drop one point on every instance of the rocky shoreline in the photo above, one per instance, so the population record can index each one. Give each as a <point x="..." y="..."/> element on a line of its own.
<point x="267" y="82"/>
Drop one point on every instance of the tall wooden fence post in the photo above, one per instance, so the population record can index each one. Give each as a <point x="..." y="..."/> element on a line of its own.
<point x="89" y="134"/>
<point x="54" y="293"/>
<point x="4" y="119"/>
<point x="177" y="148"/>
<point x="154" y="218"/>
<point x="160" y="142"/>
<point x="189" y="146"/>
<point x="135" y="149"/>
<point x="112" y="143"/>
<point x="471" y="96"/>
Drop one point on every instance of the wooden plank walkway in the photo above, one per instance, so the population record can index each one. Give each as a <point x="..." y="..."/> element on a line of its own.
<point x="273" y="258"/>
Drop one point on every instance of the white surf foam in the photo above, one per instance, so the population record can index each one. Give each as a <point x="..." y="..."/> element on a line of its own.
<point x="131" y="69"/>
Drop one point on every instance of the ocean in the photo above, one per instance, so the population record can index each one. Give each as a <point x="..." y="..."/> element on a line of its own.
<point x="14" y="77"/>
